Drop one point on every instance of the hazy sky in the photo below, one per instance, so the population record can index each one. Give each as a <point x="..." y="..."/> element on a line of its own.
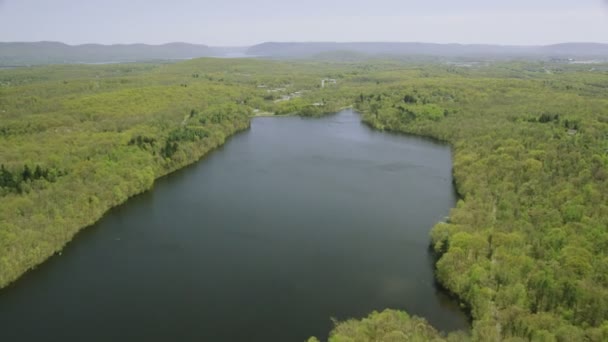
<point x="246" y="22"/>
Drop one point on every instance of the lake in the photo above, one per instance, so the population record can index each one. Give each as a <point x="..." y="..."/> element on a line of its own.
<point x="288" y="224"/>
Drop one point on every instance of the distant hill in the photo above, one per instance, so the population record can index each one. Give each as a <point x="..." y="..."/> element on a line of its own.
<point x="307" y="50"/>
<point x="19" y="54"/>
<point x="16" y="54"/>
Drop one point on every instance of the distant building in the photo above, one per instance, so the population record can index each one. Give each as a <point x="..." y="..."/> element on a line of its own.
<point x="327" y="80"/>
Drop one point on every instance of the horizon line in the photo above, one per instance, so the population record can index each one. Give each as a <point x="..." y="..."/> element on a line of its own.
<point x="303" y="42"/>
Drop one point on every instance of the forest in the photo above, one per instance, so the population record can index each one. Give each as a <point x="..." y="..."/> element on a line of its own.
<point x="524" y="250"/>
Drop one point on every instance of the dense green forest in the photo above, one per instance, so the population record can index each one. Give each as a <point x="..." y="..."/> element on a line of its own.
<point x="77" y="140"/>
<point x="525" y="250"/>
<point x="389" y="326"/>
<point x="526" y="247"/>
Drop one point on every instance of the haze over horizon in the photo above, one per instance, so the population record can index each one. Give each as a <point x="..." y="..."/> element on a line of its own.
<point x="245" y="23"/>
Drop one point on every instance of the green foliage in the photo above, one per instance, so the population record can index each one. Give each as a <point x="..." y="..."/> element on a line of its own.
<point x="103" y="133"/>
<point x="389" y="325"/>
<point x="73" y="149"/>
<point x="525" y="248"/>
<point x="19" y="181"/>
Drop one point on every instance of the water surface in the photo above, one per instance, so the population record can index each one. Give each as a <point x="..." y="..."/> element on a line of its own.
<point x="290" y="223"/>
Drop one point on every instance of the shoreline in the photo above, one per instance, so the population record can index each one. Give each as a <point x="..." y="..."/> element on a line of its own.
<point x="12" y="279"/>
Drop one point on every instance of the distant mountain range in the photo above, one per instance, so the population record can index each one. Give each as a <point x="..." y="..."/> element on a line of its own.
<point x="58" y="53"/>
<point x="299" y="50"/>
<point x="18" y="54"/>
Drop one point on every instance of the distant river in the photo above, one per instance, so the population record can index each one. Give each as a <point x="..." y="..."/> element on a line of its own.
<point x="288" y="224"/>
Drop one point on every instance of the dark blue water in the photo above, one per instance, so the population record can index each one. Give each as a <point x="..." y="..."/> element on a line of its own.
<point x="290" y="223"/>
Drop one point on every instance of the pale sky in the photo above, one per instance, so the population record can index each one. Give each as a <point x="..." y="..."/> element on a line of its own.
<point x="247" y="22"/>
